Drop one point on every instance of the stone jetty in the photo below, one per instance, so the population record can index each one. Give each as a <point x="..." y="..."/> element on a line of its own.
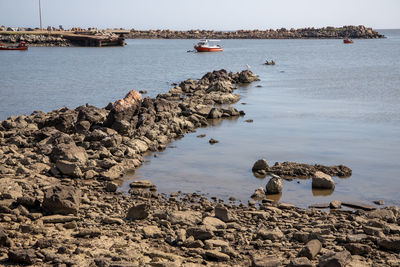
<point x="355" y="32"/>
<point x="59" y="203"/>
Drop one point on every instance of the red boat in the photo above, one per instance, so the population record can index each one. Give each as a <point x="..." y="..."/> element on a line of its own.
<point x="207" y="46"/>
<point x="22" y="46"/>
<point x="348" y="41"/>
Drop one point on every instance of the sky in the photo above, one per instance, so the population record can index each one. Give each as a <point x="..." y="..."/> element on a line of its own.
<point x="201" y="14"/>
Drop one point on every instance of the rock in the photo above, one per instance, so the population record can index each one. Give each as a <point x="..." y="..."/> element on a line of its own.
<point x="266" y="261"/>
<point x="200" y="233"/>
<point x="259" y="194"/>
<point x="339" y="259"/>
<point x="152" y="232"/>
<point x="260" y="164"/>
<point x="132" y="99"/>
<point x="274" y="186"/>
<point x="88" y="233"/>
<point x="358" y="249"/>
<point x="322" y="181"/>
<point x="22" y="256"/>
<point x="335" y="204"/>
<point x="185" y="217"/>
<point x="311" y="249"/>
<point x="69" y="152"/>
<point x="110" y="220"/>
<point x="247" y="76"/>
<point x="3" y="238"/>
<point x="62" y="200"/>
<point x="111" y="187"/>
<point x="273" y="235"/>
<point x="223" y="214"/>
<point x="58" y="219"/>
<point x="300" y="262"/>
<point x="382" y="214"/>
<point x="69" y="168"/>
<point x="358" y="205"/>
<point x="142" y="184"/>
<point x="213" y="141"/>
<point x="379" y="202"/>
<point x="392" y="243"/>
<point x="138" y="212"/>
<point x="214" y="223"/>
<point x="215" y="113"/>
<point x="10" y="189"/>
<point x="216" y="255"/>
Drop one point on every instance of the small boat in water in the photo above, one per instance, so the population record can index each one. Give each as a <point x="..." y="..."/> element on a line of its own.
<point x="208" y="46"/>
<point x="348" y="41"/>
<point x="22" y="47"/>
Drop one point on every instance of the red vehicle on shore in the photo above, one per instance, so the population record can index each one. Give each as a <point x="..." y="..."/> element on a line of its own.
<point x="22" y="46"/>
<point x="207" y="46"/>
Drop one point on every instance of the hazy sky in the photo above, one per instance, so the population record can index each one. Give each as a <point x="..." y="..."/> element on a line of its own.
<point x="210" y="14"/>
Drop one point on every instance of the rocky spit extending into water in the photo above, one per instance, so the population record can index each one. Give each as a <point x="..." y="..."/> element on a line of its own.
<point x="57" y="38"/>
<point x="60" y="204"/>
<point x="356" y="32"/>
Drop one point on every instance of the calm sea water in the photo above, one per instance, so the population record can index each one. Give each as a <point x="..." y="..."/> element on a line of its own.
<point x="324" y="102"/>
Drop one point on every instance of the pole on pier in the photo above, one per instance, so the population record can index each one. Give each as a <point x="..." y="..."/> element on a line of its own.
<point x="40" y="15"/>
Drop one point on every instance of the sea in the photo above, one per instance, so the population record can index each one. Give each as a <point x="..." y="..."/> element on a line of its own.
<point x="324" y="102"/>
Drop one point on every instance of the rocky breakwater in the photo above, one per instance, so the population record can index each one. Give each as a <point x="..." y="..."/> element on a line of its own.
<point x="35" y="39"/>
<point x="303" y="33"/>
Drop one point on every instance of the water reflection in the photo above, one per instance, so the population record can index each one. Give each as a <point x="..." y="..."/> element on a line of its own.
<point x="275" y="197"/>
<point x="322" y="192"/>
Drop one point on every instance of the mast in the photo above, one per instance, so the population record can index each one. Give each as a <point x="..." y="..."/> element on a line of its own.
<point x="40" y="15"/>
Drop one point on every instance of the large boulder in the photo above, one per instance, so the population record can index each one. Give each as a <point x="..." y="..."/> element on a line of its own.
<point x="274" y="185"/>
<point x="69" y="168"/>
<point x="259" y="165"/>
<point x="322" y="181"/>
<point x="311" y="249"/>
<point x="62" y="200"/>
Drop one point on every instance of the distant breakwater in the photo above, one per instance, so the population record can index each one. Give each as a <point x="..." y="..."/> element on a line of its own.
<point x="355" y="32"/>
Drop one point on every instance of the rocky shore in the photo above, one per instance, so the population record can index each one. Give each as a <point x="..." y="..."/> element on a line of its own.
<point x="355" y="32"/>
<point x="60" y="205"/>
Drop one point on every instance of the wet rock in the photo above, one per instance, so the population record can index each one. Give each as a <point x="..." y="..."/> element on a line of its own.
<point x="62" y="200"/>
<point x="213" y="141"/>
<point x="274" y="185"/>
<point x="335" y="204"/>
<point x="339" y="259"/>
<point x="358" y="205"/>
<point x="259" y="194"/>
<point x="142" y="184"/>
<point x="260" y="164"/>
<point x="22" y="256"/>
<point x="138" y="212"/>
<point x="379" y="202"/>
<point x="311" y="249"/>
<point x="322" y="181"/>
<point x="247" y="76"/>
